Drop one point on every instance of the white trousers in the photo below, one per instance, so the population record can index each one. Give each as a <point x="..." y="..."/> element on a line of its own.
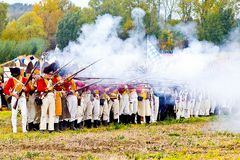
<point x="133" y="106"/>
<point x="105" y="111"/>
<point x="31" y="108"/>
<point x="88" y="111"/>
<point x="155" y="109"/>
<point x="96" y="109"/>
<point x="148" y="110"/>
<point x="196" y="109"/>
<point x="72" y="107"/>
<point x="114" y="106"/>
<point x="22" y="105"/>
<point x="124" y="108"/>
<point x="178" y="110"/>
<point x="80" y="112"/>
<point x="141" y="108"/>
<point x="48" y="112"/>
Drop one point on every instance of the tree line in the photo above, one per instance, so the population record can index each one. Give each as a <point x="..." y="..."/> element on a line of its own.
<point x="53" y="23"/>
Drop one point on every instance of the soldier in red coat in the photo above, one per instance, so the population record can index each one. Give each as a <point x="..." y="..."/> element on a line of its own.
<point x="12" y="88"/>
<point x="45" y="87"/>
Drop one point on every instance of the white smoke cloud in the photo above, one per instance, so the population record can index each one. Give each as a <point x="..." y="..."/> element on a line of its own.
<point x="202" y="66"/>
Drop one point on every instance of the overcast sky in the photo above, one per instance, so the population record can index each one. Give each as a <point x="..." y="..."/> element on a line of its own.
<point x="82" y="3"/>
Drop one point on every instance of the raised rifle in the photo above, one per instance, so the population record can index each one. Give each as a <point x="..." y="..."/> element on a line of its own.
<point x="28" y="80"/>
<point x="69" y="78"/>
<point x="79" y="89"/>
<point x="59" y="69"/>
<point x="90" y="78"/>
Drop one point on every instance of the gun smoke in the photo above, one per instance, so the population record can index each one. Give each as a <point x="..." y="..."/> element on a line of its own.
<point x="202" y="66"/>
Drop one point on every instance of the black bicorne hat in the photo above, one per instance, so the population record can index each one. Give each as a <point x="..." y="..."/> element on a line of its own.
<point x="15" y="71"/>
<point x="29" y="67"/>
<point x="50" y="68"/>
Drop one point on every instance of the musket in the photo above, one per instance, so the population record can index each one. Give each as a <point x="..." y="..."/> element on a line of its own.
<point x="87" y="86"/>
<point x="28" y="80"/>
<point x="69" y="78"/>
<point x="74" y="74"/>
<point x="59" y="69"/>
<point x="89" y="78"/>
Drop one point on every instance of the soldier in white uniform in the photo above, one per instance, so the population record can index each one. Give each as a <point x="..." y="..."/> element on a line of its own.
<point x="96" y="109"/>
<point x="89" y="108"/>
<point x="197" y="104"/>
<point x="80" y="111"/>
<point x="148" y="105"/>
<point x="133" y="104"/>
<point x="124" y="106"/>
<point x="114" y="105"/>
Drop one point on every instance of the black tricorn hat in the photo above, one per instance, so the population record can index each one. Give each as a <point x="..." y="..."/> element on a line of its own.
<point x="50" y="68"/>
<point x="15" y="71"/>
<point x="29" y="67"/>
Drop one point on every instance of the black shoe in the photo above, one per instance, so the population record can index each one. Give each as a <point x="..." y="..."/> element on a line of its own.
<point x="147" y="118"/>
<point x="36" y="127"/>
<point x="30" y="127"/>
<point x="105" y="123"/>
<point x="115" y="121"/>
<point x="95" y="123"/>
<point x="133" y="118"/>
<point x="138" y="119"/>
<point x="89" y="124"/>
<point x="121" y="118"/>
<point x="56" y="127"/>
<point x="72" y="127"/>
<point x="75" y="124"/>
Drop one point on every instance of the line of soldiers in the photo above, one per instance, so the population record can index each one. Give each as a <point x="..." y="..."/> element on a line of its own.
<point x="55" y="103"/>
<point x="52" y="102"/>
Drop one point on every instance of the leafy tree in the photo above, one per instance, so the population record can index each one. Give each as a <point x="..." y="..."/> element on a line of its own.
<point x="51" y="11"/>
<point x="10" y="49"/>
<point x="69" y="26"/>
<point x="3" y="16"/>
<point x="217" y="25"/>
<point x="28" y="26"/>
<point x="185" y="10"/>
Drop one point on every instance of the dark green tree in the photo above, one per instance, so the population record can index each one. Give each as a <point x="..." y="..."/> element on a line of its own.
<point x="217" y="25"/>
<point x="69" y="27"/>
<point x="3" y="16"/>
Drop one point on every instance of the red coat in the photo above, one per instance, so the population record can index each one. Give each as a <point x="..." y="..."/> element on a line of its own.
<point x="56" y="80"/>
<point x="41" y="85"/>
<point x="11" y="84"/>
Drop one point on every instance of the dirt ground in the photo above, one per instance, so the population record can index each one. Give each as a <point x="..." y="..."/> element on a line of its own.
<point x="173" y="139"/>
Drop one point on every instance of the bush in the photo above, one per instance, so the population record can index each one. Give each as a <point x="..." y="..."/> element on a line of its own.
<point x="11" y="49"/>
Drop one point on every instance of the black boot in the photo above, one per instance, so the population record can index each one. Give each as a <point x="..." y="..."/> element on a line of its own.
<point x="98" y="123"/>
<point x="61" y="125"/>
<point x="56" y="127"/>
<point x="75" y="124"/>
<point x="88" y="123"/>
<point x="147" y="118"/>
<point x="105" y="123"/>
<point x="128" y="119"/>
<point x="30" y="126"/>
<point x="115" y="121"/>
<point x="72" y="127"/>
<point x="138" y="119"/>
<point x="133" y="116"/>
<point x="95" y="124"/>
<point x="36" y="127"/>
<point x="81" y="125"/>
<point x="64" y="125"/>
<point x="121" y="118"/>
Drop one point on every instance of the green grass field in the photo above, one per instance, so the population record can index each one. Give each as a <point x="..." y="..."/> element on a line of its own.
<point x="172" y="139"/>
